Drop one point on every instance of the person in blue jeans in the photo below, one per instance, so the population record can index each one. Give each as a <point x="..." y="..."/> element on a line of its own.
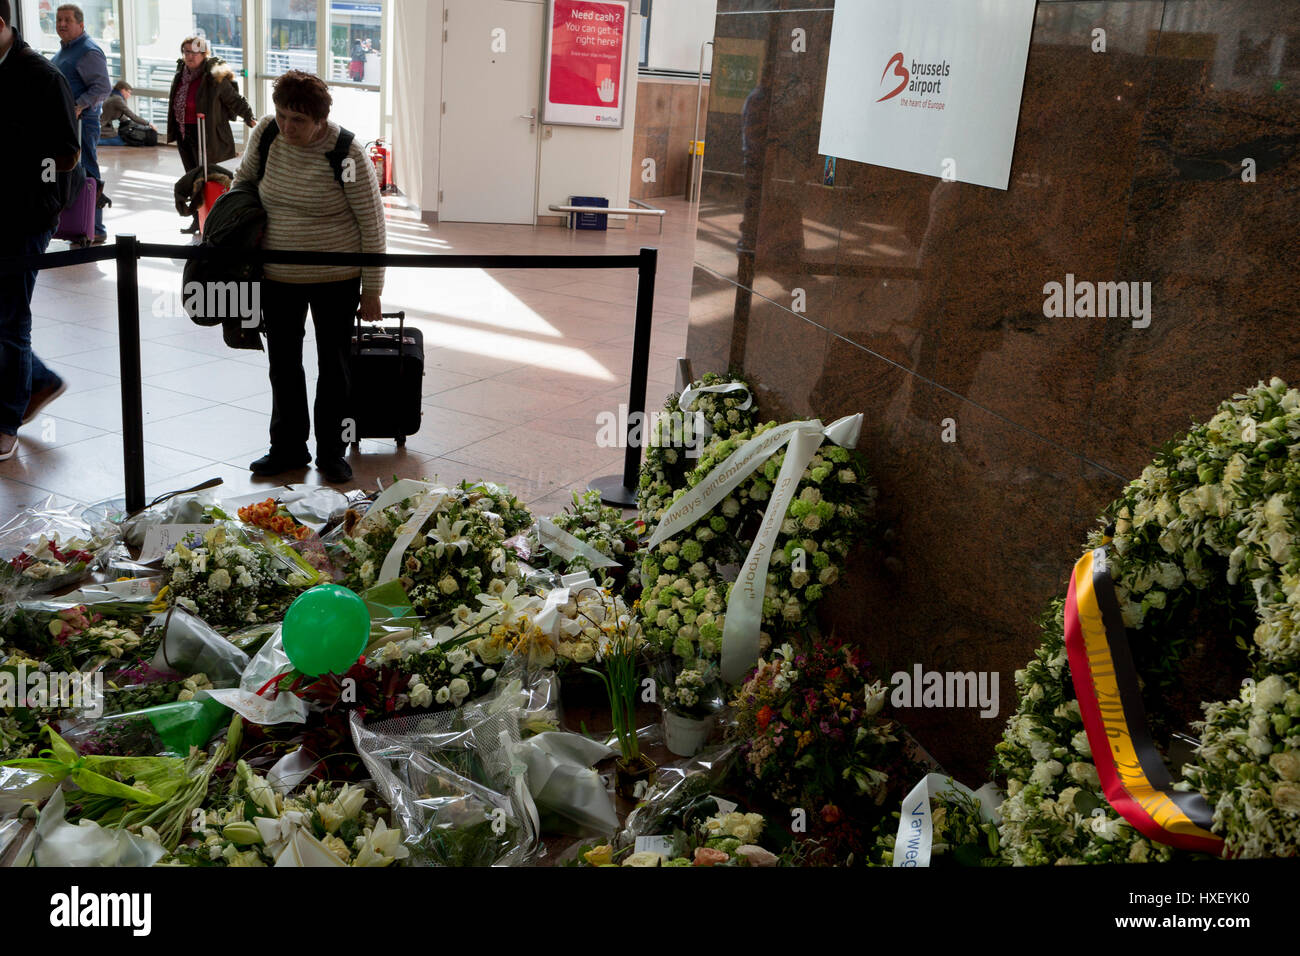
<point x="84" y="66"/>
<point x="43" y="109"/>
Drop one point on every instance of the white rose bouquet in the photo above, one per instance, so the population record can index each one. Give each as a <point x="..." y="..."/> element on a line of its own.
<point x="666" y="463"/>
<point x="685" y="596"/>
<point x="230" y="580"/>
<point x="459" y="552"/>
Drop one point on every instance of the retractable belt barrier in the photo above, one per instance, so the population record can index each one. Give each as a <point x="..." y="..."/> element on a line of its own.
<point x="127" y="251"/>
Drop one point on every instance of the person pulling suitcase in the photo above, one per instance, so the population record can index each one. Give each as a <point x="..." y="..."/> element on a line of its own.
<point x="320" y="195"/>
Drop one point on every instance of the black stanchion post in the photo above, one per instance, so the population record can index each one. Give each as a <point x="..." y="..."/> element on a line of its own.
<point x="615" y="489"/>
<point x="128" y="350"/>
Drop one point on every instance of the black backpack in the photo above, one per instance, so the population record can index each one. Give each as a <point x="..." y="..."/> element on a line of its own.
<point x="134" y="134"/>
<point x="237" y="220"/>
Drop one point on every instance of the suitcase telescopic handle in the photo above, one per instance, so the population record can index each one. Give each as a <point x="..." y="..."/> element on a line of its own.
<point x="203" y="145"/>
<point x="399" y="316"/>
<point x="401" y="336"/>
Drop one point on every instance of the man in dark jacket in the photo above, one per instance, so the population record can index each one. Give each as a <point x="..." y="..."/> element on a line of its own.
<point x="85" y="67"/>
<point x="41" y="105"/>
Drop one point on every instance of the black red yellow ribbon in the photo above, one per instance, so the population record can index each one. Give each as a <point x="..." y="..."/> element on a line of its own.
<point x="1133" y="776"/>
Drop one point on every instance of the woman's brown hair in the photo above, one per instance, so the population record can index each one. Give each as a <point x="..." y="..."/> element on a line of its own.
<point x="302" y="93"/>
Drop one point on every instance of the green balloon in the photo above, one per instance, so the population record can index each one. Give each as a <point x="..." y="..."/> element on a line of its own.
<point x="325" y="630"/>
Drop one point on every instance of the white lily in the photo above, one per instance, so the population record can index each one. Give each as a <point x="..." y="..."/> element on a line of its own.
<point x="448" y="535"/>
<point x="510" y="604"/>
<point x="380" y="846"/>
<point x="343" y="807"/>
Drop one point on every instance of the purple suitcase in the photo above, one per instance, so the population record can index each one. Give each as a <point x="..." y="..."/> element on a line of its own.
<point x="77" y="222"/>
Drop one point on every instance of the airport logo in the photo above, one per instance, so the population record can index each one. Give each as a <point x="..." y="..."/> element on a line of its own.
<point x="896" y="61"/>
<point x="922" y="79"/>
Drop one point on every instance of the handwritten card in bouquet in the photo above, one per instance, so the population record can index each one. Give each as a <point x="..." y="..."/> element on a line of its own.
<point x="161" y="538"/>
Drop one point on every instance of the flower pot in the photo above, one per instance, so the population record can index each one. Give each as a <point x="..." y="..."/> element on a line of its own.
<point x="626" y="778"/>
<point x="685" y="736"/>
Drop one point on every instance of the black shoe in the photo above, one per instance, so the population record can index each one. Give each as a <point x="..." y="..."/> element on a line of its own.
<point x="191" y="230"/>
<point x="334" y="470"/>
<point x="43" y="397"/>
<point x="275" y="464"/>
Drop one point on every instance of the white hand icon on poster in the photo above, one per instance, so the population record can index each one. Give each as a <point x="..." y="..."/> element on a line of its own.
<point x="605" y="90"/>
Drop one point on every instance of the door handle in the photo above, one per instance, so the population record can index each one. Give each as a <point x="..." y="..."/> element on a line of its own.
<point x="531" y="116"/>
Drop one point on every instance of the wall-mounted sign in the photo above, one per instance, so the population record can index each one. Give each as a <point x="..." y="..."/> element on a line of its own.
<point x="929" y="86"/>
<point x="586" y="63"/>
<point x="737" y="71"/>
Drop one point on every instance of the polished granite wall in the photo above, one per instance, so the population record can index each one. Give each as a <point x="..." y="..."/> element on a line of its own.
<point x="924" y="301"/>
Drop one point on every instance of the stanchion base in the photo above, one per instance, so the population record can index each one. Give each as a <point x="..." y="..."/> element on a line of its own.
<point x="613" y="491"/>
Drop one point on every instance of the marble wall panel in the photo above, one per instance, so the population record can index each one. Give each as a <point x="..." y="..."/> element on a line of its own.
<point x="923" y="301"/>
<point x="1220" y="253"/>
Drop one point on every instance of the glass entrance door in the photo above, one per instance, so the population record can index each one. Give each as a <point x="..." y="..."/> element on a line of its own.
<point x="339" y="41"/>
<point x="157" y="29"/>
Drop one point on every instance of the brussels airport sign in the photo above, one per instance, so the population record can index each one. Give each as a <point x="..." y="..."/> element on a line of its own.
<point x="586" y="63"/>
<point x="928" y="86"/>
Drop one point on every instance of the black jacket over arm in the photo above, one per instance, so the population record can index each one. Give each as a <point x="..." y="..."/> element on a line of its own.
<point x="41" y="139"/>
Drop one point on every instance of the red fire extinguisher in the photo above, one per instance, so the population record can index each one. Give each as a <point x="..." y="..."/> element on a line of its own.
<point x="381" y="155"/>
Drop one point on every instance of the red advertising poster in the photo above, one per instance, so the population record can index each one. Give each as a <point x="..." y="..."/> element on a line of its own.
<point x="586" y="62"/>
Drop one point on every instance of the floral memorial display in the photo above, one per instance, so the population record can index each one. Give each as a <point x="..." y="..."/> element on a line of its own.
<point x="432" y="675"/>
<point x="1201" y="561"/>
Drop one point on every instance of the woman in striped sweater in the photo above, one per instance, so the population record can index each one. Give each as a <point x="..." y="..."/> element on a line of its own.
<point x="307" y="208"/>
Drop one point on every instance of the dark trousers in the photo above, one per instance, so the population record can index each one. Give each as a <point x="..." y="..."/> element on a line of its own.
<point x="333" y="312"/>
<point x="21" y="372"/>
<point x="188" y="146"/>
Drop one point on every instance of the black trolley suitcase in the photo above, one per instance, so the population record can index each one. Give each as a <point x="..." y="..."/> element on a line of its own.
<point x="387" y="380"/>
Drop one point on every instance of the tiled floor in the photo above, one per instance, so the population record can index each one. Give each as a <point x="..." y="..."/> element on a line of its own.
<point x="518" y="363"/>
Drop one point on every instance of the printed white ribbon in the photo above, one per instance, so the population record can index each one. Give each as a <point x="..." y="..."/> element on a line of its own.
<point x="133" y="588"/>
<point x="688" y="396"/>
<point x="915" y="840"/>
<point x="391" y="567"/>
<point x="704" y="431"/>
<point x="547" y="619"/>
<point x="560" y="542"/>
<point x="397" y="491"/>
<point x="745" y="607"/>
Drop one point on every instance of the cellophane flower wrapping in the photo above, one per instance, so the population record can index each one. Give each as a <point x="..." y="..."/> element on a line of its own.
<point x="49" y="548"/>
<point x="232" y="575"/>
<point x="454" y="785"/>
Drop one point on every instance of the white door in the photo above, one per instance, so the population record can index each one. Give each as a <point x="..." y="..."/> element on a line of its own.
<point x="491" y="82"/>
